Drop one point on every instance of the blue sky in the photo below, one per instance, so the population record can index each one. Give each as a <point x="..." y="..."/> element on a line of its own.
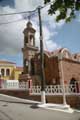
<point x="69" y="36"/>
<point x="11" y="3"/>
<point x="55" y="35"/>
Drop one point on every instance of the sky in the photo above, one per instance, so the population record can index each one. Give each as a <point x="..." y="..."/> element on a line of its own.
<point x="55" y="35"/>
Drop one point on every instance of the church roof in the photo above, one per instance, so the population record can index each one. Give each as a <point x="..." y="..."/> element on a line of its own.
<point x="53" y="53"/>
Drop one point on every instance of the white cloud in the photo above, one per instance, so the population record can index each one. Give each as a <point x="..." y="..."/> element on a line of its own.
<point x="78" y="18"/>
<point x="47" y="42"/>
<point x="51" y="45"/>
<point x="51" y="20"/>
<point x="27" y="4"/>
<point x="11" y="36"/>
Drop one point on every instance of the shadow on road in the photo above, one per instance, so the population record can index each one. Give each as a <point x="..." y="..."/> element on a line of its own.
<point x="34" y="106"/>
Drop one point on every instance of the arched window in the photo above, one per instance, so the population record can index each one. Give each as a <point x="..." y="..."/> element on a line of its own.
<point x="32" y="39"/>
<point x="7" y="72"/>
<point x="74" y="84"/>
<point x="32" y="67"/>
<point x="2" y="72"/>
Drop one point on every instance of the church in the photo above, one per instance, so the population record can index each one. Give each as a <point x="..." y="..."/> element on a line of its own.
<point x="59" y="65"/>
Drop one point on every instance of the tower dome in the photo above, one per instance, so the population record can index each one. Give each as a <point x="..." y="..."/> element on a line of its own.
<point x="29" y="24"/>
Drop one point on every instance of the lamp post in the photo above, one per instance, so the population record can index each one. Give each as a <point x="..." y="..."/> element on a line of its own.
<point x="41" y="59"/>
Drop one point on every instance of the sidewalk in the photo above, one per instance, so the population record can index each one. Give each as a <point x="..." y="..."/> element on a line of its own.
<point x="57" y="107"/>
<point x="47" y="106"/>
<point x="16" y="99"/>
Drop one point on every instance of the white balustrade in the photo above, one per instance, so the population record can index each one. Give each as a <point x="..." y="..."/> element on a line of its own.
<point x="36" y="90"/>
<point x="56" y="90"/>
<point x="14" y="85"/>
<point x="23" y="85"/>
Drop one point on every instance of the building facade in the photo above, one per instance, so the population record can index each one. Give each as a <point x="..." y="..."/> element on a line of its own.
<point x="9" y="70"/>
<point x="58" y="65"/>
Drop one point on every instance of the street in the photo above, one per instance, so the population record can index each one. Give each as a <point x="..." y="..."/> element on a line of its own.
<point x="17" y="109"/>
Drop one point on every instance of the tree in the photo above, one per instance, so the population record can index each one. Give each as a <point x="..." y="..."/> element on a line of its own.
<point x="67" y="9"/>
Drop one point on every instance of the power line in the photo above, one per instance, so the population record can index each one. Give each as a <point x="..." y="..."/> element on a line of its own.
<point x="18" y="20"/>
<point x="15" y="13"/>
<point x="11" y="22"/>
<point x="24" y="12"/>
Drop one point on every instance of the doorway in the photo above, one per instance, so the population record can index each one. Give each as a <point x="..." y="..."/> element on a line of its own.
<point x="74" y="84"/>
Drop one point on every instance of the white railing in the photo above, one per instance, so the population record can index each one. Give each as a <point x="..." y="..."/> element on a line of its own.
<point x="14" y="86"/>
<point x="56" y="90"/>
<point x="36" y="90"/>
<point x="23" y="85"/>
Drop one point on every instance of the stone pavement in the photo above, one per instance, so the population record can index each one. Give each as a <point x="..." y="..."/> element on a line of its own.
<point x="49" y="106"/>
<point x="12" y="108"/>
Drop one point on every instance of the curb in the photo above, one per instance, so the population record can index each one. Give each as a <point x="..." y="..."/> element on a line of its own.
<point x="19" y="99"/>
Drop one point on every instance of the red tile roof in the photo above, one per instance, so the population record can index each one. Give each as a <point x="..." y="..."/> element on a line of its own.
<point x="6" y="62"/>
<point x="19" y="68"/>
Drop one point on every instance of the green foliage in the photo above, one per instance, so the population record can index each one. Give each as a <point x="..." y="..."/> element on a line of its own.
<point x="78" y="5"/>
<point x="63" y="6"/>
<point x="46" y="1"/>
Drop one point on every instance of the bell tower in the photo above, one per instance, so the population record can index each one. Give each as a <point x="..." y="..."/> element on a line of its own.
<point x="29" y="49"/>
<point x="29" y="35"/>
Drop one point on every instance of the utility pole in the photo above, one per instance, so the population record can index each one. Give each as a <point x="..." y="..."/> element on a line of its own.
<point x="41" y="59"/>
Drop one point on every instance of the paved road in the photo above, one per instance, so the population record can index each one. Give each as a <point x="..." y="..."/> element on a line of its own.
<point x="16" y="109"/>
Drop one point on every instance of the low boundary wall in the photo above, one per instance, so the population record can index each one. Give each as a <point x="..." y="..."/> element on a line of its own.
<point x="72" y="100"/>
